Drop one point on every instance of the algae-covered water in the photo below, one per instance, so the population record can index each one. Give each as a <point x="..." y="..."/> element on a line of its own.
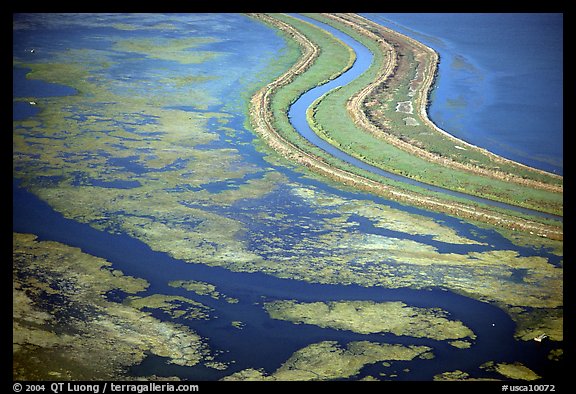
<point x="136" y="150"/>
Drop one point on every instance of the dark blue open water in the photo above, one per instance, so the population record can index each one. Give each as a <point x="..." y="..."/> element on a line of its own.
<point x="263" y="342"/>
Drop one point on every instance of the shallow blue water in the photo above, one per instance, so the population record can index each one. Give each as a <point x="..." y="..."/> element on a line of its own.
<point x="500" y="80"/>
<point x="23" y="87"/>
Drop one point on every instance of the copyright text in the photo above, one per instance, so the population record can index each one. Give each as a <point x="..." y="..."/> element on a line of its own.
<point x="103" y="387"/>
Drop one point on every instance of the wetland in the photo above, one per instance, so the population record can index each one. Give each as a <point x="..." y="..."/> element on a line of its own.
<point x="153" y="226"/>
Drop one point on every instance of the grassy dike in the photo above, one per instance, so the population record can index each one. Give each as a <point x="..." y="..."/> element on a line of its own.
<point x="529" y="189"/>
<point x="330" y="115"/>
<point x="319" y="62"/>
<point x="332" y="58"/>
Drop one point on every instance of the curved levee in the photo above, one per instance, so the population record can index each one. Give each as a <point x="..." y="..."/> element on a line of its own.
<point x="361" y="120"/>
<point x="264" y="121"/>
<point x="397" y="46"/>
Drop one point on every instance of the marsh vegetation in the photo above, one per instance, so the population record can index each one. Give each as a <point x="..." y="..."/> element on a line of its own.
<point x="153" y="145"/>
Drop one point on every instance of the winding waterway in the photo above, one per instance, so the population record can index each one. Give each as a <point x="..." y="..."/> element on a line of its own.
<point x="297" y="116"/>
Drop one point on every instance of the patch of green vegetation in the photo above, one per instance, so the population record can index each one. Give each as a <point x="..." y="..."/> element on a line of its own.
<point x="238" y="324"/>
<point x="556" y="354"/>
<point x="453" y="375"/>
<point x="185" y="80"/>
<point x="198" y="287"/>
<point x="65" y="328"/>
<point x="367" y="317"/>
<point x="369" y="378"/>
<point x="457" y="375"/>
<point x="382" y="216"/>
<point x="202" y="288"/>
<point x="516" y="371"/>
<point x="157" y="26"/>
<point x="328" y="361"/>
<point x="182" y="50"/>
<point x="461" y="344"/>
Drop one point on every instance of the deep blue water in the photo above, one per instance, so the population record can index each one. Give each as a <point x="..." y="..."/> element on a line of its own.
<point x="22" y="110"/>
<point x="500" y="80"/>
